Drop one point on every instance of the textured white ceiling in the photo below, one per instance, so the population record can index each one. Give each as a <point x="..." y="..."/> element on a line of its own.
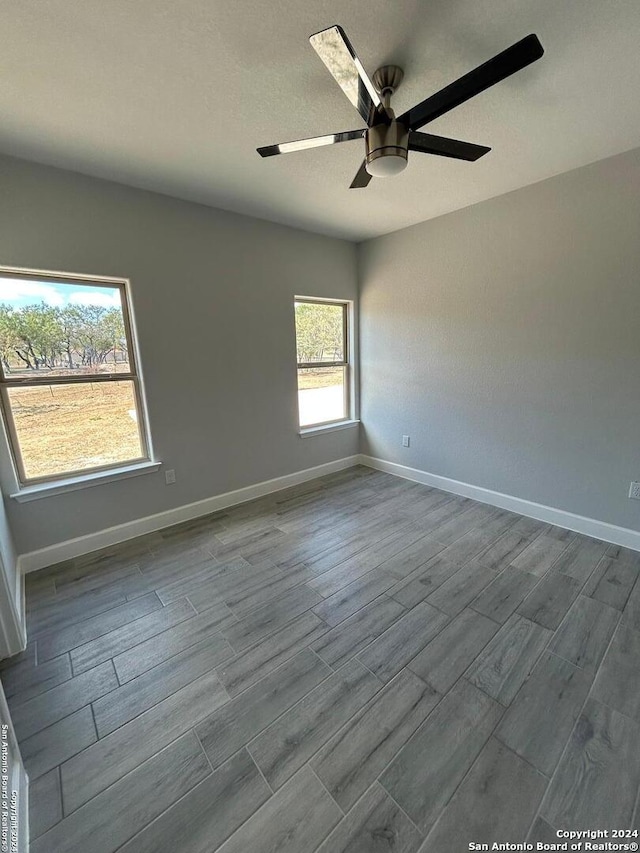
<point x="175" y="95"/>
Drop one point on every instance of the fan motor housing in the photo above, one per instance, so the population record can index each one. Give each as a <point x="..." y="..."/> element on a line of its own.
<point x="386" y="147"/>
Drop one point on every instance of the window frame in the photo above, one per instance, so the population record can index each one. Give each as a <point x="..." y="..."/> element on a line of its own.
<point x="133" y="376"/>
<point x="346" y="363"/>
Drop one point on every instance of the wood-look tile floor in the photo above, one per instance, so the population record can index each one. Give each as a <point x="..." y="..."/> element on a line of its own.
<point x="360" y="663"/>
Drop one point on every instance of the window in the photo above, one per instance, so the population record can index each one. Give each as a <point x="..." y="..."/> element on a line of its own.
<point x="71" y="396"/>
<point x="322" y="343"/>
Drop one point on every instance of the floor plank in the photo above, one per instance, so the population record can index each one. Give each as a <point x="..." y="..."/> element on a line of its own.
<point x="418" y="585"/>
<point x="66" y="639"/>
<point x="617" y="683"/>
<point x="542" y="716"/>
<point x="206" y="588"/>
<point x="461" y="588"/>
<point x="232" y="726"/>
<point x="351" y="598"/>
<point x="57" y="743"/>
<point x="459" y="643"/>
<point x="119" y="640"/>
<point x="113" y="573"/>
<point x="344" y="641"/>
<point x="45" y="803"/>
<point x="364" y="561"/>
<point x="361" y="552"/>
<point x="502" y="596"/>
<point x="175" y="585"/>
<point x="631" y="612"/>
<point x="374" y="825"/>
<point x="111" y="818"/>
<point x="580" y="558"/>
<point x="295" y="820"/>
<point x="543" y="551"/>
<point x="104" y="762"/>
<point x="542" y="833"/>
<point x="141" y="693"/>
<point x="27" y="679"/>
<point x="208" y="814"/>
<point x="445" y="511"/>
<point x="268" y="618"/>
<point x="50" y="707"/>
<point x="474" y="541"/>
<point x="597" y="779"/>
<point x="452" y="737"/>
<point x="502" y="551"/>
<point x="292" y="740"/>
<point x="496" y="802"/>
<point x="584" y="634"/>
<point x="611" y="582"/>
<point x="156" y="650"/>
<point x="548" y="603"/>
<point x="58" y="614"/>
<point x="355" y="756"/>
<point x="393" y="650"/>
<point x="456" y="528"/>
<point x="412" y="557"/>
<point x="257" y="661"/>
<point x="245" y="601"/>
<point x="178" y="581"/>
<point x="624" y="555"/>
<point x="505" y="663"/>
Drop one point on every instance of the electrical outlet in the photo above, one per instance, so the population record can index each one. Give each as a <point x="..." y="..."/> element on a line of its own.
<point x="405" y="440"/>
<point x="170" y="477"/>
<point x="634" y="491"/>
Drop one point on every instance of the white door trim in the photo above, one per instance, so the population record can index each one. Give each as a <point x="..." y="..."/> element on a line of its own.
<point x="13" y="634"/>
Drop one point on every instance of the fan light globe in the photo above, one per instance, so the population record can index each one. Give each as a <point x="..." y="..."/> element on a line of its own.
<point x="387" y="166"/>
<point x="386" y="147"/>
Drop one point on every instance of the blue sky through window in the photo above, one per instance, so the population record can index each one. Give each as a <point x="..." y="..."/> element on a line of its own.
<point x="18" y="292"/>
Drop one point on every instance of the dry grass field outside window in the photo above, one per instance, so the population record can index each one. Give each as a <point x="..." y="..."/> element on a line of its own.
<point x="75" y="427"/>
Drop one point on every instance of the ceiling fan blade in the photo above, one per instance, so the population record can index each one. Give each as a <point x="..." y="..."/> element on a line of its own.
<point x="512" y="59"/>
<point x="312" y="142"/>
<point x="429" y="144"/>
<point x="336" y="51"/>
<point x="361" y="179"/>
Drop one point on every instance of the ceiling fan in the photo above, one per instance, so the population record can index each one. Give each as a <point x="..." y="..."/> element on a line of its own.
<point x="389" y="139"/>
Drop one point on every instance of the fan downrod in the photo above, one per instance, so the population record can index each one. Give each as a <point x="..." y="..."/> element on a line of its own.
<point x="387" y="79"/>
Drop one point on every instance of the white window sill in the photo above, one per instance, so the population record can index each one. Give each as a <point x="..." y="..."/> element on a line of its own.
<point x="309" y="432"/>
<point x="59" y="487"/>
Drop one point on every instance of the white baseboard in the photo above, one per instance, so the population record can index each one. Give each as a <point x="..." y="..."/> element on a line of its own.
<point x="82" y="545"/>
<point x="44" y="557"/>
<point x="624" y="536"/>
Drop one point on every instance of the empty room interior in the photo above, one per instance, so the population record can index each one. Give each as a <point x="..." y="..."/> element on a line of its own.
<point x="319" y="447"/>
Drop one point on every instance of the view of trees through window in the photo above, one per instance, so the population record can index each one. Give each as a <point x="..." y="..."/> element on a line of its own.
<point x="322" y="361"/>
<point x="319" y="332"/>
<point x="69" y="387"/>
<point x="76" y="337"/>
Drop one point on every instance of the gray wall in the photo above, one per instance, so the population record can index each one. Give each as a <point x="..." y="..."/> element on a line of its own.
<point x="505" y="340"/>
<point x="215" y="286"/>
